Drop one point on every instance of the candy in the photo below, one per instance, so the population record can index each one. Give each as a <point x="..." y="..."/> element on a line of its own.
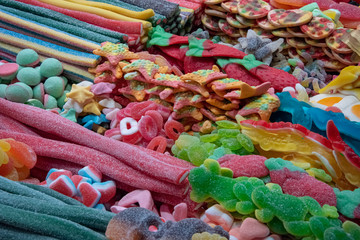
<point x="18" y="92"/>
<point x="90" y="196"/>
<point x="54" y="86"/>
<point x="173" y="129"/>
<point x="248" y="166"/>
<point x="158" y="144"/>
<point x="217" y="215"/>
<point x="29" y="76"/>
<point x="64" y="185"/>
<point x="92" y="173"/>
<point x="27" y="58"/>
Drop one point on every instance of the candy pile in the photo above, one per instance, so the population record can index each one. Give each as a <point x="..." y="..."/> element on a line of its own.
<point x="85" y="187"/>
<point x="16" y="159"/>
<point x="29" y="211"/>
<point x="40" y="86"/>
<point x="305" y="30"/>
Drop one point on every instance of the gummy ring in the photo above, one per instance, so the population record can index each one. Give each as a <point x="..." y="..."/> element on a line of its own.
<point x="124" y="130"/>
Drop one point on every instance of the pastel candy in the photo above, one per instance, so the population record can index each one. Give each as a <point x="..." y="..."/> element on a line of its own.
<point x="251" y="229"/>
<point x="248" y="165"/>
<point x="39" y="92"/>
<point x="27" y="58"/>
<point x="64" y="185"/>
<point x="50" y="102"/>
<point x="219" y="216"/>
<point x="91" y="172"/>
<point x="18" y="92"/>
<point x="29" y="76"/>
<point x="89" y="195"/>
<point x="141" y="197"/>
<point x="51" y="67"/>
<point x="54" y="86"/>
<point x="107" y="190"/>
<point x="2" y="90"/>
<point x="125" y="131"/>
<point x="35" y="103"/>
<point x="148" y="127"/>
<point x="8" y="71"/>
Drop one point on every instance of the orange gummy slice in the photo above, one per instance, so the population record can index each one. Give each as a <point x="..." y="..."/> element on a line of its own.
<point x="21" y="154"/>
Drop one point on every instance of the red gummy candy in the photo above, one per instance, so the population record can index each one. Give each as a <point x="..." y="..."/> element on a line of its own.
<point x="139" y="110"/>
<point x="248" y="166"/>
<point x="159" y="120"/>
<point x="64" y="185"/>
<point x="107" y="190"/>
<point x="53" y="176"/>
<point x="6" y="169"/>
<point x="90" y="196"/>
<point x="148" y="127"/>
<point x="173" y="129"/>
<point x="301" y="184"/>
<point x="132" y="139"/>
<point x="158" y="144"/>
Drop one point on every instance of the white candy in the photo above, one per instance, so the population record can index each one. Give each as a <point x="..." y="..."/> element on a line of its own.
<point x="133" y="126"/>
<point x="107" y="102"/>
<point x="85" y="84"/>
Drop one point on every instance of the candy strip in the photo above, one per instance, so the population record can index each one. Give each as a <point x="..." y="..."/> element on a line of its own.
<point x="144" y="15"/>
<point x="47" y="31"/>
<point x="163" y="7"/>
<point x="9" y="124"/>
<point x="90" y="217"/>
<point x="47" y="163"/>
<point x="105" y="163"/>
<point x="52" y="193"/>
<point x="49" y="49"/>
<point x="26" y="9"/>
<point x="97" y="11"/>
<point x="45" y="224"/>
<point x="16" y="188"/>
<point x="9" y="232"/>
<point x="131" y="28"/>
<point x="75" y="133"/>
<point x="72" y="72"/>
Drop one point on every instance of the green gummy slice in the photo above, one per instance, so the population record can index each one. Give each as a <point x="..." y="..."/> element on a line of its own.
<point x="227" y="124"/>
<point x="185" y="141"/>
<point x="197" y="154"/>
<point x="231" y="133"/>
<point x="208" y="138"/>
<point x="231" y="143"/>
<point x="245" y="142"/>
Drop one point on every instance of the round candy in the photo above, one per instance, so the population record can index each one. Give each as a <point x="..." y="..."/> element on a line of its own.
<point x="54" y="86"/>
<point x="8" y="71"/>
<point x="18" y="92"/>
<point x="2" y="90"/>
<point x="29" y="76"/>
<point x="38" y="92"/>
<point x="51" y="67"/>
<point x="27" y="58"/>
<point x="35" y="103"/>
<point x="50" y="102"/>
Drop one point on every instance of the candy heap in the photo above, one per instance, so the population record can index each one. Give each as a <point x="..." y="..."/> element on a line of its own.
<point x="16" y="159"/>
<point x="85" y="187"/>
<point x="29" y="211"/>
<point x="305" y="31"/>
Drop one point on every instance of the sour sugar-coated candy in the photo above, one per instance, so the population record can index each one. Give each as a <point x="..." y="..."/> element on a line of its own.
<point x="173" y="129"/>
<point x="29" y="76"/>
<point x="248" y="166"/>
<point x="128" y="126"/>
<point x="227" y="124"/>
<point x="228" y="133"/>
<point x="197" y="154"/>
<point x="51" y="67"/>
<point x="209" y="137"/>
<point x="158" y="144"/>
<point x="91" y="172"/>
<point x="245" y="142"/>
<point x="148" y="127"/>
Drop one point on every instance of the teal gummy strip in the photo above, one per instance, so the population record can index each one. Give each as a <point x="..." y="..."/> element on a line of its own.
<point x="9" y="232"/>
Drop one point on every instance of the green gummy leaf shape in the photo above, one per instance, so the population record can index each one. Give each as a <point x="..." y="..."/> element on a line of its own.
<point x="159" y="37"/>
<point x="249" y="62"/>
<point x="279" y="164"/>
<point x="222" y="62"/>
<point x="196" y="47"/>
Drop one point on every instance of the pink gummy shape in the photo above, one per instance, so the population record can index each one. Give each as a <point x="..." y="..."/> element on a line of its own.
<point x="173" y="129"/>
<point x="148" y="127"/>
<point x="248" y="166"/>
<point x="301" y="184"/>
<point x="63" y="185"/>
<point x="107" y="190"/>
<point x="7" y="69"/>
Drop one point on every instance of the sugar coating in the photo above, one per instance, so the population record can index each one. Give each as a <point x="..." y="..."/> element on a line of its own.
<point x="54" y="86"/>
<point x="18" y="92"/>
<point x="51" y="67"/>
<point x="27" y="57"/>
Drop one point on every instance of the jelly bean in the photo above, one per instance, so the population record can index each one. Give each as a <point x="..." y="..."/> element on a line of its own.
<point x="209" y="137"/>
<point x="148" y="127"/>
<point x="158" y="144"/>
<point x="128" y="122"/>
<point x="173" y="129"/>
<point x="227" y="124"/>
<point x="228" y="133"/>
<point x="245" y="142"/>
